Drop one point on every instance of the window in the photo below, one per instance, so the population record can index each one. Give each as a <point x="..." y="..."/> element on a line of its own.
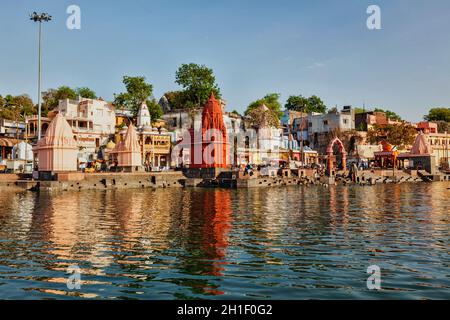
<point x="325" y="122"/>
<point x="345" y="121"/>
<point x="247" y="142"/>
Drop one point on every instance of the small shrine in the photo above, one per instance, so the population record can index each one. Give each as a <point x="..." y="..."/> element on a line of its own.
<point x="128" y="151"/>
<point x="420" y="157"/>
<point x="57" y="151"/>
<point x="387" y="158"/>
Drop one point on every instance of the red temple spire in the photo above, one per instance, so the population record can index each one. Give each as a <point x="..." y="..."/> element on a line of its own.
<point x="212" y="116"/>
<point x="214" y="133"/>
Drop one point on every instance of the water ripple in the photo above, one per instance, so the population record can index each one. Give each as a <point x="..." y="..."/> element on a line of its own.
<point x="293" y="243"/>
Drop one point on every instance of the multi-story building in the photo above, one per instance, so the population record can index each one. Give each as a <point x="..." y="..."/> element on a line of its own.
<point x="427" y="127"/>
<point x="367" y="120"/>
<point x="320" y="126"/>
<point x="12" y="129"/>
<point x="440" y="145"/>
<point x="10" y="134"/>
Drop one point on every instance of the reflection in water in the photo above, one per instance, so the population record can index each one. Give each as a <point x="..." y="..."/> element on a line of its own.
<point x="291" y="243"/>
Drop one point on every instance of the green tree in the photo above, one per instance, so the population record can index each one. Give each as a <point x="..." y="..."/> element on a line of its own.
<point x="307" y="105"/>
<point x="85" y="92"/>
<point x="396" y="134"/>
<point x="198" y="82"/>
<point x="25" y="104"/>
<point x="51" y="97"/>
<point x="177" y="99"/>
<point x="316" y="105"/>
<point x="271" y="101"/>
<point x="438" y="114"/>
<point x="155" y="109"/>
<point x="297" y="103"/>
<point x="443" y="126"/>
<point x="16" y="107"/>
<point x="137" y="92"/>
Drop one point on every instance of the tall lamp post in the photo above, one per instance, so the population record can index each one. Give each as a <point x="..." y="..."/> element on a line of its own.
<point x="43" y="17"/>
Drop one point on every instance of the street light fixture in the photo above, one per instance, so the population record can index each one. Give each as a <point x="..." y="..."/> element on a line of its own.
<point x="43" y="17"/>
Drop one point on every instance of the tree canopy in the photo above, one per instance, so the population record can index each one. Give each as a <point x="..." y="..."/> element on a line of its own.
<point x="270" y="117"/>
<point x="271" y="101"/>
<point x="198" y="82"/>
<point x="85" y="92"/>
<point x="137" y="91"/>
<point x="443" y="126"/>
<point x="307" y="105"/>
<point x="438" y="114"/>
<point x="397" y="135"/>
<point x="16" y="107"/>
<point x="178" y="100"/>
<point x="155" y="109"/>
<point x="51" y="97"/>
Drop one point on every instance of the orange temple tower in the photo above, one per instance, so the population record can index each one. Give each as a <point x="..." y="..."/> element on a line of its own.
<point x="213" y="145"/>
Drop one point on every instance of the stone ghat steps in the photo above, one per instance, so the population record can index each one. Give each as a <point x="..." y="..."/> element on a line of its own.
<point x="113" y="181"/>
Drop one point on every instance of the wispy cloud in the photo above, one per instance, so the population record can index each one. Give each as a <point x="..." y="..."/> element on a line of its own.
<point x="317" y="65"/>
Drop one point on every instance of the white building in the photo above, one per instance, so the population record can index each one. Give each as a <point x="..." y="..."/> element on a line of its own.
<point x="323" y="123"/>
<point x="92" y="121"/>
<point x="12" y="129"/>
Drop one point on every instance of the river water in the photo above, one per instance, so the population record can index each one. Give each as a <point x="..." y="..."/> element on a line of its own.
<point x="286" y="243"/>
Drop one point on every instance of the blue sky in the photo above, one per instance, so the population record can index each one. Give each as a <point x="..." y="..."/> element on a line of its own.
<point x="255" y="47"/>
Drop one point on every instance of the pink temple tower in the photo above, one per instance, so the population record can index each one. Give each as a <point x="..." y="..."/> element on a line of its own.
<point x="129" y="151"/>
<point x="57" y="151"/>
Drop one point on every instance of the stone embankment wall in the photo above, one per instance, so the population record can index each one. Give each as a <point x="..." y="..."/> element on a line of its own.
<point x="16" y="182"/>
<point x="230" y="179"/>
<point x="106" y="181"/>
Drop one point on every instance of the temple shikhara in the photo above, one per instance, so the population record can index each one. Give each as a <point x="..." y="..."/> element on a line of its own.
<point x="213" y="146"/>
<point x="129" y="151"/>
<point x="57" y="151"/>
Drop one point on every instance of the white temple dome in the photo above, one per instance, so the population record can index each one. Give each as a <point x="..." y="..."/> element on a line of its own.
<point x="144" y="118"/>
